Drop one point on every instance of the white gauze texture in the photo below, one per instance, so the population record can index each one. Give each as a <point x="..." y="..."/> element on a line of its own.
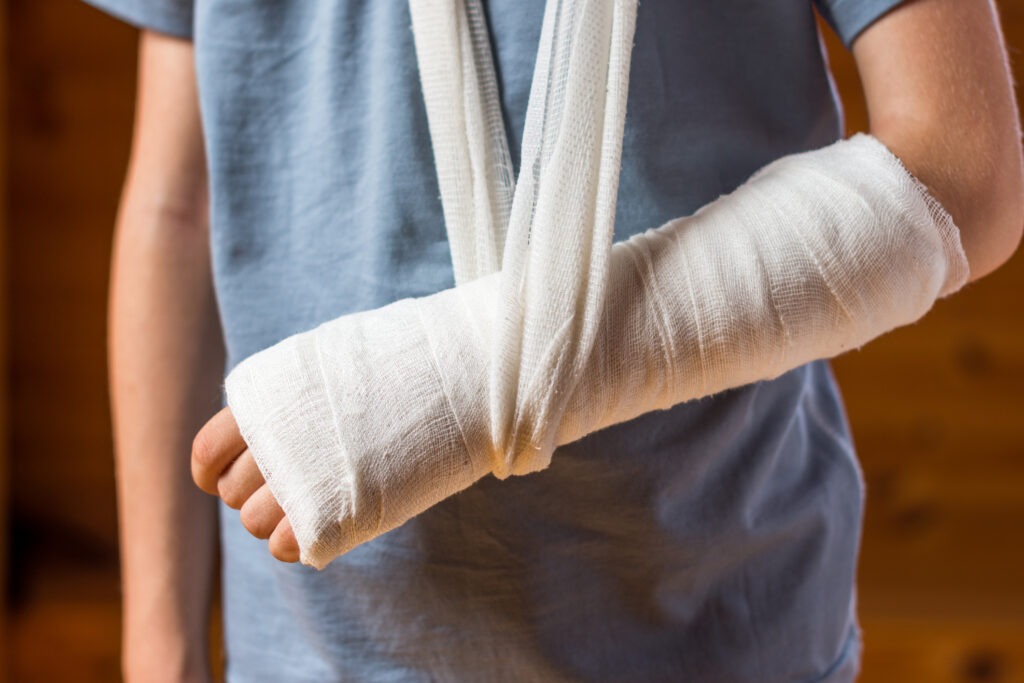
<point x="550" y="233"/>
<point x="372" y="418"/>
<point x="552" y="238"/>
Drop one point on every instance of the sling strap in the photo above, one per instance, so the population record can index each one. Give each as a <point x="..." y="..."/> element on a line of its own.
<point x="550" y="232"/>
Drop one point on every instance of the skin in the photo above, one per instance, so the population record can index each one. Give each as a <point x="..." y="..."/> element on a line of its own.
<point x="940" y="96"/>
<point x="164" y="333"/>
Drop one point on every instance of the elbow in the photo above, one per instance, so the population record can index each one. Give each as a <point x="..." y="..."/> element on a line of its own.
<point x="1009" y="241"/>
<point x="993" y="219"/>
<point x="1010" y="234"/>
<point x="150" y="207"/>
<point x="979" y="181"/>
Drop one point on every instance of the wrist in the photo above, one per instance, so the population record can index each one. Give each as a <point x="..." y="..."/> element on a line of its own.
<point x="171" y="659"/>
<point x="165" y="636"/>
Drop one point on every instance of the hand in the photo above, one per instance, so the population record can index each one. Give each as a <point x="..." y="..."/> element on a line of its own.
<point x="223" y="466"/>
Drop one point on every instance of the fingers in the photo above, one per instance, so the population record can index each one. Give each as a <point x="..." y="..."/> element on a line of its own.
<point x="283" y="544"/>
<point x="222" y="465"/>
<point x="263" y="518"/>
<point x="216" y="445"/>
<point x="242" y="479"/>
<point x="260" y="513"/>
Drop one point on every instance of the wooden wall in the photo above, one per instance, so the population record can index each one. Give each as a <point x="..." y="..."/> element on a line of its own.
<point x="937" y="408"/>
<point x="3" y="347"/>
<point x="71" y="83"/>
<point x="941" y="440"/>
<point x="937" y="411"/>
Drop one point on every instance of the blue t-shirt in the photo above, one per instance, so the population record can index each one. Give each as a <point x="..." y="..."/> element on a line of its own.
<point x="714" y="542"/>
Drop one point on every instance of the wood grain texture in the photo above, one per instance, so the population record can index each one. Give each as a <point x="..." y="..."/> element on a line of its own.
<point x="937" y="408"/>
<point x="937" y="412"/>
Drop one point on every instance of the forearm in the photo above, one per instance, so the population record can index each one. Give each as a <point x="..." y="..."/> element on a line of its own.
<point x="817" y="254"/>
<point x="166" y="364"/>
<point x="165" y="373"/>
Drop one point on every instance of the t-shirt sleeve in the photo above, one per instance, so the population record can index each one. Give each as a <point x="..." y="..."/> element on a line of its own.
<point x="173" y="17"/>
<point x="850" y="17"/>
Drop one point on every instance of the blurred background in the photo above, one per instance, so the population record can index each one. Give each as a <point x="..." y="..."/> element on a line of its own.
<point x="937" y="408"/>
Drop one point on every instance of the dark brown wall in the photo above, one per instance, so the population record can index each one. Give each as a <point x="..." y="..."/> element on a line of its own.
<point x="71" y="94"/>
<point x="3" y="346"/>
<point x="937" y="408"/>
<point x="71" y="87"/>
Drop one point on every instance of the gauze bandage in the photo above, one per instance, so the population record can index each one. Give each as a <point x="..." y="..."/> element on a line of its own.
<point x="372" y="418"/>
<point x="556" y="230"/>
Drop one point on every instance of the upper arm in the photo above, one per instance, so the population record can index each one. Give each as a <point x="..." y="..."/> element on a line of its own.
<point x="940" y="95"/>
<point x="167" y="172"/>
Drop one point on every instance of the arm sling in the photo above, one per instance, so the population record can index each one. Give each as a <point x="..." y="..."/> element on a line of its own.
<point x="552" y="332"/>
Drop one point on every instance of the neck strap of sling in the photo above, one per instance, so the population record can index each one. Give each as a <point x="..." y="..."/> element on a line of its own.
<point x="550" y="231"/>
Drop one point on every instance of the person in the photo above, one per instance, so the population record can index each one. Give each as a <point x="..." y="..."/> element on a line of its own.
<point x="282" y="175"/>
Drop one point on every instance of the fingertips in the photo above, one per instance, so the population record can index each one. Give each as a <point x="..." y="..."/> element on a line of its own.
<point x="283" y="544"/>
<point x="216" y="445"/>
<point x="222" y="465"/>
<point x="260" y="514"/>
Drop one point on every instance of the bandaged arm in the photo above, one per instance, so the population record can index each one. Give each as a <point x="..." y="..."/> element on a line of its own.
<point x="372" y="418"/>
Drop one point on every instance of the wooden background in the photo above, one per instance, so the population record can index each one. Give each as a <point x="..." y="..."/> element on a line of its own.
<point x="937" y="408"/>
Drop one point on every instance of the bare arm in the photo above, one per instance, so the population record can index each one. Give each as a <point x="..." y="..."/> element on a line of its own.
<point x="166" y="363"/>
<point x="940" y="95"/>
